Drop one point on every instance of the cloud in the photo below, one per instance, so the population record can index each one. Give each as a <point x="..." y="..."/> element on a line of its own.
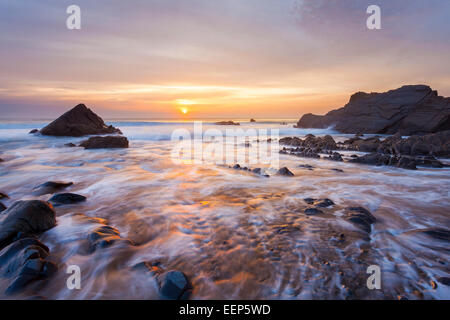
<point x="301" y="50"/>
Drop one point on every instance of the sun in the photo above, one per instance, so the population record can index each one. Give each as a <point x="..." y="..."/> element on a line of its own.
<point x="184" y="110"/>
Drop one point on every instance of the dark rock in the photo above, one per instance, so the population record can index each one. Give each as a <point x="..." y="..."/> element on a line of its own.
<point x="1" y="160"/>
<point x="70" y="145"/>
<point x="24" y="261"/>
<point x="438" y="233"/>
<point x="28" y="217"/>
<point x="252" y="120"/>
<point x="105" y="142"/>
<point x="50" y="187"/>
<point x="103" y="237"/>
<point x="2" y="207"/>
<point x="78" y="122"/>
<point x="406" y="163"/>
<point x="434" y="144"/>
<point x="237" y="166"/>
<point x="415" y="109"/>
<point x="174" y="285"/>
<point x="306" y="166"/>
<point x="33" y="131"/>
<point x="67" y="198"/>
<point x="257" y="170"/>
<point x="312" y="142"/>
<point x="324" y="203"/>
<point x="313" y="211"/>
<point x="360" y="217"/>
<point x="285" y="172"/>
<point x="335" y="156"/>
<point x="227" y="123"/>
<point x="337" y="170"/>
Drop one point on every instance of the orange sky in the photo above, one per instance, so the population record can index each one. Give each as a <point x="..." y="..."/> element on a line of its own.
<point x="231" y="59"/>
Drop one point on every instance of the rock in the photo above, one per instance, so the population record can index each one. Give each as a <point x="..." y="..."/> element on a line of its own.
<point x="412" y="109"/>
<point x="434" y="144"/>
<point x="285" y="172"/>
<point x="406" y="163"/>
<point x="337" y="170"/>
<point x="78" y="122"/>
<point x="2" y="207"/>
<point x="103" y="237"/>
<point x="174" y="285"/>
<point x="237" y="166"/>
<point x="335" y="156"/>
<point x="227" y="123"/>
<point x="306" y="166"/>
<point x="70" y="145"/>
<point x="33" y="131"/>
<point x="438" y="233"/>
<point x="50" y="187"/>
<point x="24" y="261"/>
<point x="252" y="120"/>
<point x="312" y="142"/>
<point x="324" y="203"/>
<point x="105" y="142"/>
<point x="27" y="217"/>
<point x="3" y="196"/>
<point x="360" y="217"/>
<point x="67" y="198"/>
<point x="313" y="211"/>
<point x="257" y="171"/>
<point x="1" y="160"/>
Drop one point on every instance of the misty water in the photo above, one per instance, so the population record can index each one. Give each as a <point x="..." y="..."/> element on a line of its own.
<point x="236" y="235"/>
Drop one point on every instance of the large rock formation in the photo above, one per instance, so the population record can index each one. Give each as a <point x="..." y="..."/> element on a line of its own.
<point x="414" y="109"/>
<point x="78" y="122"/>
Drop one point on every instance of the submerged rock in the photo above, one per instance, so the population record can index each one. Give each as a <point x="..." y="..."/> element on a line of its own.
<point x="313" y="211"/>
<point x="105" y="142"/>
<point x="174" y="285"/>
<point x="50" y="187"/>
<point x="2" y="207"/>
<point x="24" y="261"/>
<point x="67" y="198"/>
<point x="78" y="122"/>
<point x="104" y="236"/>
<point x="33" y="131"/>
<point x="25" y="217"/>
<point x="360" y="217"/>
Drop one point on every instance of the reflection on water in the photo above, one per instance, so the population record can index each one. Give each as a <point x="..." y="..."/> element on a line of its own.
<point x="233" y="233"/>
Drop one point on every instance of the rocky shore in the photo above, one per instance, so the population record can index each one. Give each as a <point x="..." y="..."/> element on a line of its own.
<point x="411" y="109"/>
<point x="394" y="150"/>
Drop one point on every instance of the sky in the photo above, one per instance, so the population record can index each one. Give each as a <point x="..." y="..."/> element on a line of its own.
<point x="215" y="59"/>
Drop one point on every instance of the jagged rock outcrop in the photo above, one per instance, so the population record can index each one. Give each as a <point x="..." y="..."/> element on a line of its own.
<point x="78" y="122"/>
<point x="412" y="109"/>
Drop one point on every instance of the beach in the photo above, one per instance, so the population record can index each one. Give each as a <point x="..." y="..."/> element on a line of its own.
<point x="234" y="234"/>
